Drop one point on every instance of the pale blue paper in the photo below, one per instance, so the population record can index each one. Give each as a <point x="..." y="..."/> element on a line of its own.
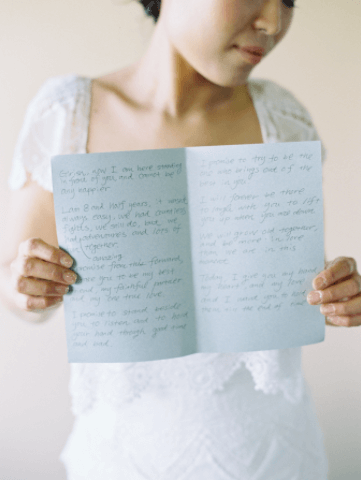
<point x="187" y="250"/>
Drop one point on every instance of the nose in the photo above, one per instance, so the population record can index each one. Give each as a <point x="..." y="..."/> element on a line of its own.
<point x="269" y="18"/>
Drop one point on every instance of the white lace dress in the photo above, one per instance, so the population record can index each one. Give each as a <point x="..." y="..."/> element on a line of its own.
<point x="216" y="416"/>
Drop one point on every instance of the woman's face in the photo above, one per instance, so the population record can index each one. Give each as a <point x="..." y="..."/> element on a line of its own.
<point x="204" y="33"/>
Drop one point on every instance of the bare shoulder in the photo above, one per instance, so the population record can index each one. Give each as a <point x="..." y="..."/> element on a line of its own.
<point x="115" y="82"/>
<point x="109" y="94"/>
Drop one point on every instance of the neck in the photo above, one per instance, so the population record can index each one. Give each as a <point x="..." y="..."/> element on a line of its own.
<point x="163" y="82"/>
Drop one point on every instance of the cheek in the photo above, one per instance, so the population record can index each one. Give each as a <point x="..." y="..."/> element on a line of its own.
<point x="233" y="11"/>
<point x="286" y="23"/>
<point x="228" y="12"/>
<point x="193" y="25"/>
<point x="182" y="19"/>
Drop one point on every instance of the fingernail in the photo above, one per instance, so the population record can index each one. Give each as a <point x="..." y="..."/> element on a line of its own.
<point x="314" y="297"/>
<point x="326" y="309"/>
<point x="70" y="277"/>
<point x="62" y="290"/>
<point x="319" y="283"/>
<point x="352" y="265"/>
<point x="67" y="262"/>
<point x="336" y="320"/>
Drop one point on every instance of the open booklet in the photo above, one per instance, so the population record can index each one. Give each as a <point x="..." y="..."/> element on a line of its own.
<point x="187" y="250"/>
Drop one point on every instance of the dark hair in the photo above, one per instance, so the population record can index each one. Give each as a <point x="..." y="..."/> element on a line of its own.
<point x="152" y="8"/>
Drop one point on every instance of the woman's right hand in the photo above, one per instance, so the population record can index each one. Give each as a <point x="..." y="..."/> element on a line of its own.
<point x="39" y="277"/>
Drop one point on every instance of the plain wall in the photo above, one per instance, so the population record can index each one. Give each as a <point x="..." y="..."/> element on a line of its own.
<point x="319" y="62"/>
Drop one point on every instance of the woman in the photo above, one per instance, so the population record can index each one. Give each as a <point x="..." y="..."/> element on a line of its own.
<point x="203" y="416"/>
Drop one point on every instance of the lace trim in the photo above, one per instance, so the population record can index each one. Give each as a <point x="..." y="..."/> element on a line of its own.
<point x="273" y="372"/>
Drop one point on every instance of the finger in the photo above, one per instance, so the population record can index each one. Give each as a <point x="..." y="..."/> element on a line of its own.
<point x="44" y="288"/>
<point x="330" y="323"/>
<point x="349" y="307"/>
<point x="346" y="320"/>
<point x="36" y="247"/>
<point x="30" y="303"/>
<point x="34" y="267"/>
<point x="348" y="288"/>
<point x="342" y="267"/>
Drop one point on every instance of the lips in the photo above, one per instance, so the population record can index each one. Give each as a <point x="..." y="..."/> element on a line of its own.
<point x="250" y="57"/>
<point x="254" y="50"/>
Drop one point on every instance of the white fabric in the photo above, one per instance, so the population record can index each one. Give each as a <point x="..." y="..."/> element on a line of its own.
<point x="216" y="416"/>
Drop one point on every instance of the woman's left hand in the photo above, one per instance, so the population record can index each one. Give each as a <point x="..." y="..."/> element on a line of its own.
<point x="338" y="291"/>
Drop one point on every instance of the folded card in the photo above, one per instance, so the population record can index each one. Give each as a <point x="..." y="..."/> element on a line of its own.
<point x="187" y="250"/>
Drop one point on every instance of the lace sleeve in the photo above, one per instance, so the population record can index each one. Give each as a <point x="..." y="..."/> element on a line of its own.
<point x="312" y="133"/>
<point x="44" y="132"/>
<point x="314" y="136"/>
<point x="296" y="122"/>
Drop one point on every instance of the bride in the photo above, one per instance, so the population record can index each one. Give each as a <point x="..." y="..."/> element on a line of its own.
<point x="237" y="416"/>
